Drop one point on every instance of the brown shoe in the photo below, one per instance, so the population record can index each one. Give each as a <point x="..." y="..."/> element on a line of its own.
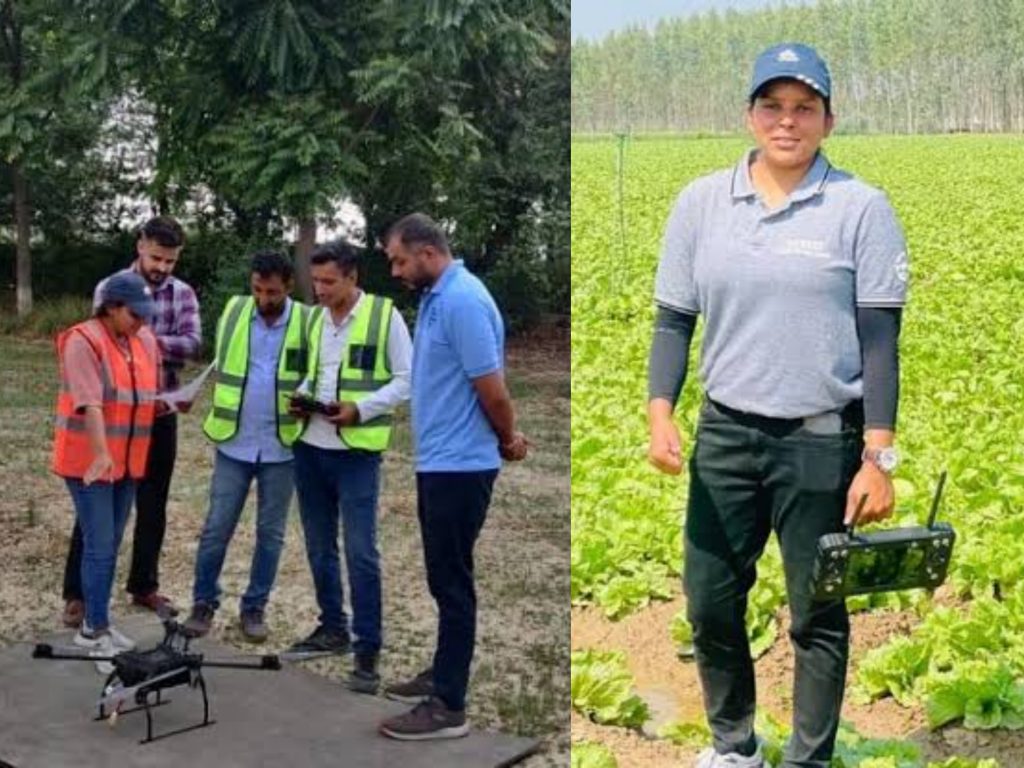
<point x="160" y="605"/>
<point x="74" y="612"/>
<point x="199" y="620"/>
<point x="251" y="622"/>
<point x="430" y="719"/>
<point x="413" y="691"/>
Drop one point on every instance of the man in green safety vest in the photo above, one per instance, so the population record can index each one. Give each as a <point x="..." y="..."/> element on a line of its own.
<point x="360" y="361"/>
<point x="262" y="353"/>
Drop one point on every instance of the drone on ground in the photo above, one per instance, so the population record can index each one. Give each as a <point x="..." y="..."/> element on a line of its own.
<point x="140" y="677"/>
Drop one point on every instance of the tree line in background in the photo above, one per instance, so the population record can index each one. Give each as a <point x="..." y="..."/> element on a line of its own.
<point x="248" y="119"/>
<point x="898" y="66"/>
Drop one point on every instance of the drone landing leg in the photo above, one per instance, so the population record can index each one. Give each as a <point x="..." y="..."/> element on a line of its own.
<point x="104" y="715"/>
<point x="206" y="715"/>
<point x="186" y="729"/>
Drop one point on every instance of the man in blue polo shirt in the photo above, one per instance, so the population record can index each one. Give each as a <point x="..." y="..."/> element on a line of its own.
<point x="463" y="425"/>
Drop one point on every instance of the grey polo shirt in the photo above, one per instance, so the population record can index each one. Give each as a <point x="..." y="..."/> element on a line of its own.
<point x="779" y="288"/>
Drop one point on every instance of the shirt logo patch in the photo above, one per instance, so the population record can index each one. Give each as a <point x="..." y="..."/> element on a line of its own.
<point x="902" y="268"/>
<point x="796" y="246"/>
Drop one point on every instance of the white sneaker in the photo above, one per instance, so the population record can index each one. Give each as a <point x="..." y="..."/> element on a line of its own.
<point x="85" y="638"/>
<point x="100" y="645"/>
<point x="709" y="758"/>
<point x="120" y="640"/>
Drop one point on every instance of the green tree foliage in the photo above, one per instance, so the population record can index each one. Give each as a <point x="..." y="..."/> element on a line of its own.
<point x="265" y="113"/>
<point x="457" y="107"/>
<point x="898" y="66"/>
<point x="52" y="103"/>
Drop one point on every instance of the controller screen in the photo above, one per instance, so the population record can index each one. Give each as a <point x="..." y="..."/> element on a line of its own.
<point x="878" y="567"/>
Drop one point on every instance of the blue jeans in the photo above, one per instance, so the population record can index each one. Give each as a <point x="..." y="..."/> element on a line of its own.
<point x="333" y="485"/>
<point x="229" y="488"/>
<point x="102" y="511"/>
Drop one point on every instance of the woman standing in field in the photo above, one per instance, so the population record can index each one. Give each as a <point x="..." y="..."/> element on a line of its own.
<point x="105" y="409"/>
<point x="800" y="273"/>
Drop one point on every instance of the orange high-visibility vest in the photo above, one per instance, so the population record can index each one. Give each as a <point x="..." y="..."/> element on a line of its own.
<point x="129" y="379"/>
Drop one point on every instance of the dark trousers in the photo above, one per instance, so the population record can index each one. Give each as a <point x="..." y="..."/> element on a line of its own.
<point x="452" y="507"/>
<point x="150" y="517"/>
<point x="750" y="475"/>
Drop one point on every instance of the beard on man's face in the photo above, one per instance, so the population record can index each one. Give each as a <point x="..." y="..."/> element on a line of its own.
<point x="416" y="280"/>
<point x="270" y="310"/>
<point x="154" y="277"/>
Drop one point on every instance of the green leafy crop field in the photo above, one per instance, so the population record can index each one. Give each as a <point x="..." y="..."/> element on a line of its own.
<point x="960" y="200"/>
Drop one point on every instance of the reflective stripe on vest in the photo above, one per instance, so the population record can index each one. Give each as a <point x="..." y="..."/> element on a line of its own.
<point x="129" y="380"/>
<point x="232" y="348"/>
<point x="363" y="369"/>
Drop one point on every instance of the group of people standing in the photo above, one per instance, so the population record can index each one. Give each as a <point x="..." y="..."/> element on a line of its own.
<point x="304" y="400"/>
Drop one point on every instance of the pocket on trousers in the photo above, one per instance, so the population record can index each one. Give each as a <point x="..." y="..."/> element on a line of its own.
<point x="825" y="463"/>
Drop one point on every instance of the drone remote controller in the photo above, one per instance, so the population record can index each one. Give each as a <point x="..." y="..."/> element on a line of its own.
<point x="307" y="404"/>
<point x="852" y="563"/>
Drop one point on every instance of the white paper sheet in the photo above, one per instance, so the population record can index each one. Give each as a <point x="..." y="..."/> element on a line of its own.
<point x="187" y="393"/>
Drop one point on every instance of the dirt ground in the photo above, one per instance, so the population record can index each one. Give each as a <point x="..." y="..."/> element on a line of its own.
<point x="671" y="689"/>
<point x="520" y="678"/>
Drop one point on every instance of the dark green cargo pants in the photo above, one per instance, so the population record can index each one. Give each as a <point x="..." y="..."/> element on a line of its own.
<point x="750" y="475"/>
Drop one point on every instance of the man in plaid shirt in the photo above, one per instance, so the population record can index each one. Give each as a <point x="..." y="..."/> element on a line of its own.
<point x="177" y="328"/>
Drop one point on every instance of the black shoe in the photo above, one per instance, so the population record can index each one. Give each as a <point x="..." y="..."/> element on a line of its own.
<point x="323" y="642"/>
<point x="364" y="678"/>
<point x="413" y="691"/>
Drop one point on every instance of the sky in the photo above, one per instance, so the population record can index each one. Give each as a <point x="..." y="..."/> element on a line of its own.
<point x="594" y="19"/>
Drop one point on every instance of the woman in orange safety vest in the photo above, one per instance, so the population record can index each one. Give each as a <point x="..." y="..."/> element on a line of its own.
<point x="109" y="369"/>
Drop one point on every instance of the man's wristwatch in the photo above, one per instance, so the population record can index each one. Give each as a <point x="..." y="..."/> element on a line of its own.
<point x="886" y="459"/>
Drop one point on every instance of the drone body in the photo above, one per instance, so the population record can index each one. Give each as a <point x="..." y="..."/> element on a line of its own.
<point x="140" y="677"/>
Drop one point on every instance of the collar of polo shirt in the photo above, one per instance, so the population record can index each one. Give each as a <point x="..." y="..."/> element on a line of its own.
<point x="447" y="276"/>
<point x="813" y="183"/>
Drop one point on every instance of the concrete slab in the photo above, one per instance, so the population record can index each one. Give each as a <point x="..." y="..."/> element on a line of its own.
<point x="287" y="718"/>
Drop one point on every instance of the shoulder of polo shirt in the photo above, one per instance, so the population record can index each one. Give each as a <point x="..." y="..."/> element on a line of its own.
<point x="863" y="198"/>
<point x="854" y="187"/>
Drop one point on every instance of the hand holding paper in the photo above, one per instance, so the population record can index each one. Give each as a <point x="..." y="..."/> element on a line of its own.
<point x="181" y="399"/>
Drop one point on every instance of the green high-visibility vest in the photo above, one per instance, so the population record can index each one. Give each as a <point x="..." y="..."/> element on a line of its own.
<point x="232" y="350"/>
<point x="363" y="370"/>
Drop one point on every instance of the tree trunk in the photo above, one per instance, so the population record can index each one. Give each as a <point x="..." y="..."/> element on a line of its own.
<point x="23" y="233"/>
<point x="304" y="247"/>
<point x="22" y="213"/>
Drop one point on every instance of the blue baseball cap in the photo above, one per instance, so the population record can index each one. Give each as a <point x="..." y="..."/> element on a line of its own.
<point x="130" y="289"/>
<point x="792" y="60"/>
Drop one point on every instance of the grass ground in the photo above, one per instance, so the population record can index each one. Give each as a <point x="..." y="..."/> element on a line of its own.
<point x="520" y="678"/>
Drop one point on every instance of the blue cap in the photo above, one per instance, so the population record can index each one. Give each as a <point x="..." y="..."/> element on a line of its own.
<point x="792" y="60"/>
<point x="130" y="289"/>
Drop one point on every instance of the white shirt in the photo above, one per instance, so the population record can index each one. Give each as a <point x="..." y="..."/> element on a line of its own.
<point x="333" y="343"/>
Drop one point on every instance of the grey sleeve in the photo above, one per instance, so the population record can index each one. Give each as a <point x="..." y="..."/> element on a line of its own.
<point x="880" y="256"/>
<point x="879" y="330"/>
<point x="670" y="352"/>
<point x="674" y="286"/>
